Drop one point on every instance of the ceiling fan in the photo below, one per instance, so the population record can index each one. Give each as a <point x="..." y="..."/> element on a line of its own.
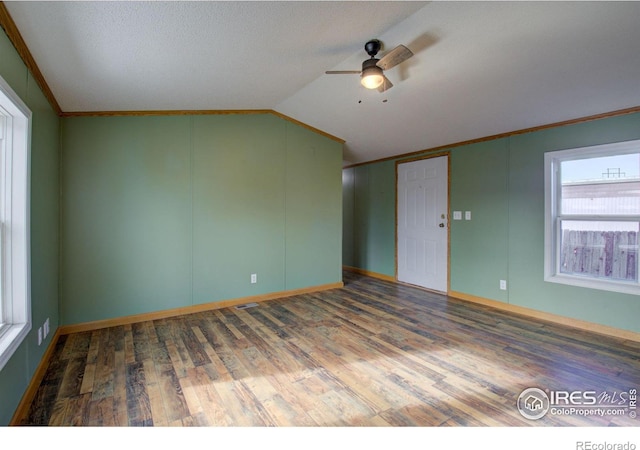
<point x="371" y="75"/>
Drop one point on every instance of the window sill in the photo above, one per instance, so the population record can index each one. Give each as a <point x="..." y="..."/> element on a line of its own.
<point x="11" y="339"/>
<point x="590" y="283"/>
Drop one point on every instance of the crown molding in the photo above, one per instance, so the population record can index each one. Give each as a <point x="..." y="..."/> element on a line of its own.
<point x="619" y="112"/>
<point x="10" y="28"/>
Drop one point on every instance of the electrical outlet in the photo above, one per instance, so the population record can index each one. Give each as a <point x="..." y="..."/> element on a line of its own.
<point x="46" y="328"/>
<point x="503" y="285"/>
<point x="40" y="336"/>
<point x="467" y="215"/>
<point x="254" y="278"/>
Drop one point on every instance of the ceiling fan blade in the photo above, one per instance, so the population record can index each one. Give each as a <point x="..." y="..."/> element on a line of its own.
<point x="334" y="72"/>
<point x="386" y="85"/>
<point x="394" y="57"/>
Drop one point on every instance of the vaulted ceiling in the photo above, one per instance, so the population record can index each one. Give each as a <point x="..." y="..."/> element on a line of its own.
<point x="479" y="68"/>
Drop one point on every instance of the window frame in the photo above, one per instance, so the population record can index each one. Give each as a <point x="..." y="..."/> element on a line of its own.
<point x="554" y="217"/>
<point x="15" y="253"/>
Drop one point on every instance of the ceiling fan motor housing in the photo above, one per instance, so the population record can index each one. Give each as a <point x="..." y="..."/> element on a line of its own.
<point x="369" y="63"/>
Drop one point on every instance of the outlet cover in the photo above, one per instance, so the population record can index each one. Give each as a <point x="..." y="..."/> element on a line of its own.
<point x="254" y="278"/>
<point x="40" y="336"/>
<point x="503" y="285"/>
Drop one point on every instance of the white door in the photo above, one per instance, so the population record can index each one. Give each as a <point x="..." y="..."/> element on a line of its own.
<point x="423" y="223"/>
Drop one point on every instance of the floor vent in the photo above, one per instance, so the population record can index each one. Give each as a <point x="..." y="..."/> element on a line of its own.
<point x="246" y="305"/>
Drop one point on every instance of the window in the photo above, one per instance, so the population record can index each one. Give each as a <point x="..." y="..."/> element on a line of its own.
<point x="593" y="216"/>
<point x="15" y="294"/>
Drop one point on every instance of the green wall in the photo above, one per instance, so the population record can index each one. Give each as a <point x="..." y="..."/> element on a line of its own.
<point x="502" y="183"/>
<point x="161" y="212"/>
<point x="526" y="226"/>
<point x="140" y="214"/>
<point x="16" y="375"/>
<point x="369" y="233"/>
<point x="479" y="177"/>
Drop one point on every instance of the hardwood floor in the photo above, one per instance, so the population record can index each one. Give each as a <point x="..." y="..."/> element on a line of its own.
<point x="373" y="353"/>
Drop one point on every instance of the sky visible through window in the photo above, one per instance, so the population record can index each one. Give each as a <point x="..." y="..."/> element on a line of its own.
<point x="601" y="186"/>
<point x="602" y="168"/>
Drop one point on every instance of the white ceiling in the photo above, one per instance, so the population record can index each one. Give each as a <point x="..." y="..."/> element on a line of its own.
<point x="479" y="68"/>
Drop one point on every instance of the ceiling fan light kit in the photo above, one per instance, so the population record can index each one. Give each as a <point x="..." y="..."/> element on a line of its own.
<point x="371" y="76"/>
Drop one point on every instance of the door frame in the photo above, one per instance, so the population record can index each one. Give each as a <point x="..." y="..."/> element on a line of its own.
<point x="420" y="158"/>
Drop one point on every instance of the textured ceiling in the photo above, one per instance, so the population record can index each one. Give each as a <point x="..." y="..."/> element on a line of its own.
<point x="479" y="68"/>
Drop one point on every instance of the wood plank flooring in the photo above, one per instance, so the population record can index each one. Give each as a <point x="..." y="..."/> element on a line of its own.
<point x="373" y="353"/>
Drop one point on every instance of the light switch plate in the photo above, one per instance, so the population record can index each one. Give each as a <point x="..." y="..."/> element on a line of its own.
<point x="457" y="215"/>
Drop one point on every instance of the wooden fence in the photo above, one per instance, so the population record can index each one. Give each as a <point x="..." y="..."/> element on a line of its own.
<point x="600" y="254"/>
